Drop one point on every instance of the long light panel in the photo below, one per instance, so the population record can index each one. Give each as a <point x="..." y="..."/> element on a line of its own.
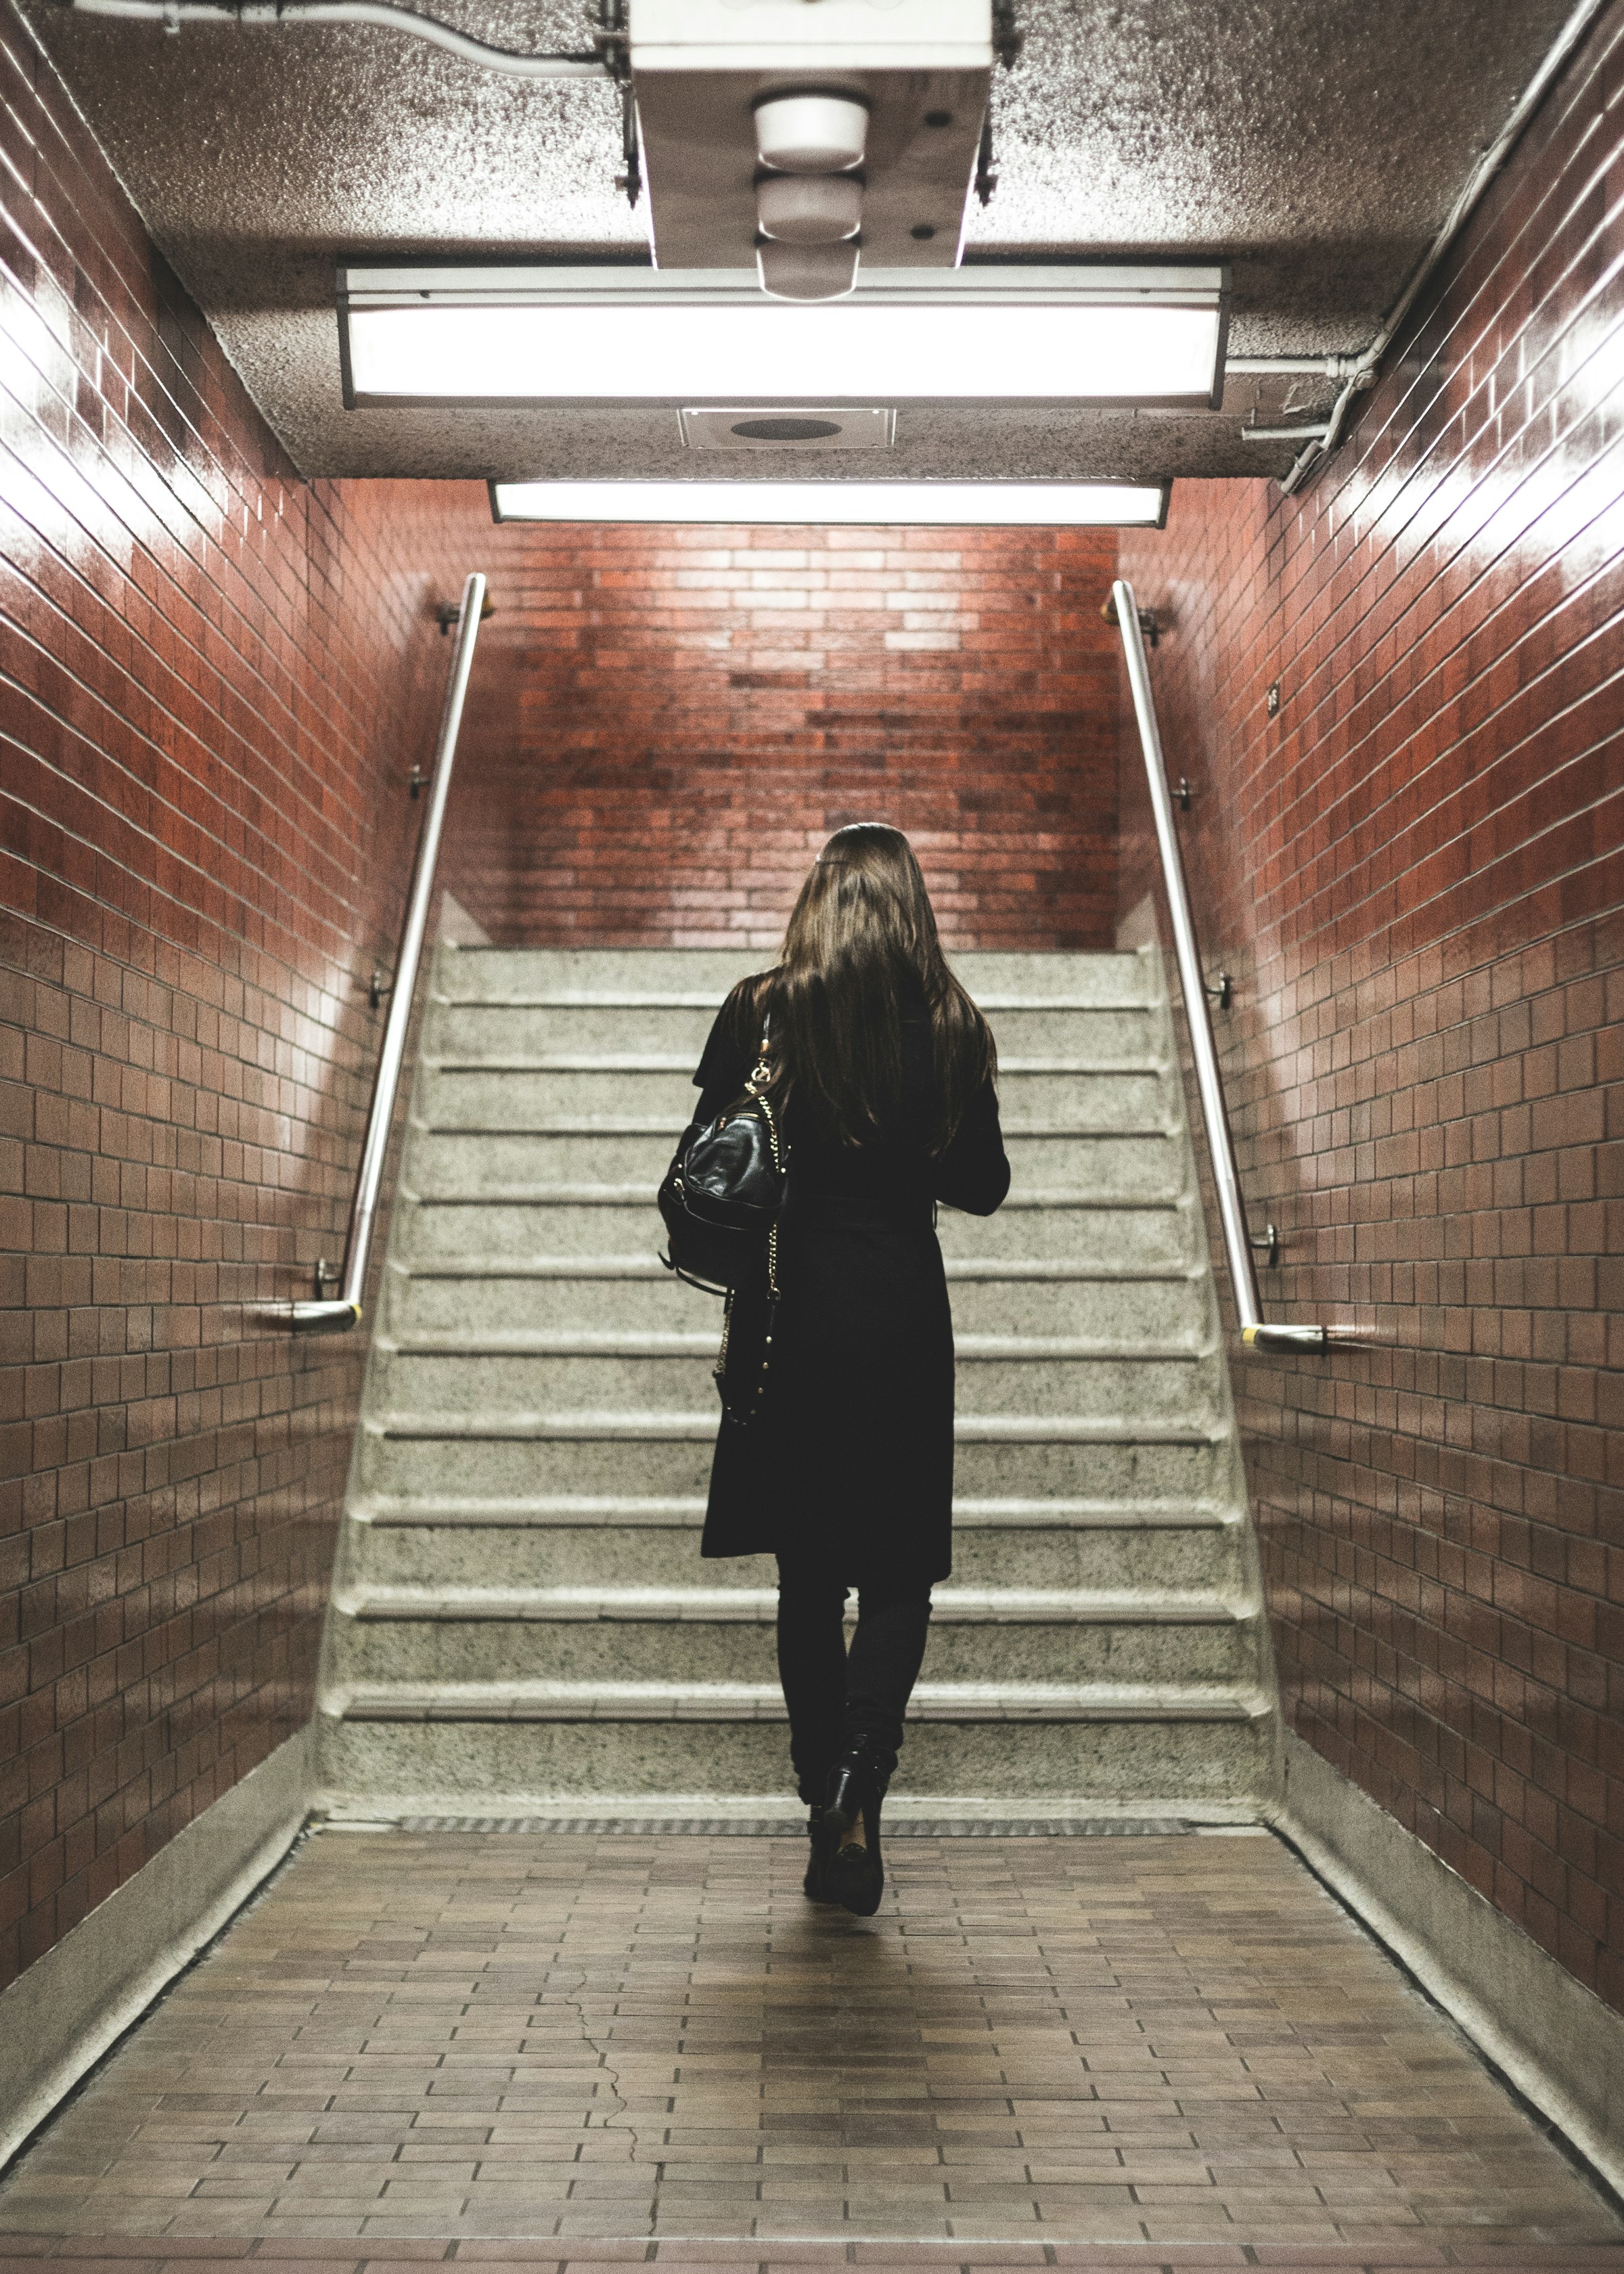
<point x="1075" y="505"/>
<point x="505" y="338"/>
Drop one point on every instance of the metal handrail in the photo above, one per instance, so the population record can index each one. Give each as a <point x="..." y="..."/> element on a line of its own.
<point x="334" y="1315"/>
<point x="1255" y="1332"/>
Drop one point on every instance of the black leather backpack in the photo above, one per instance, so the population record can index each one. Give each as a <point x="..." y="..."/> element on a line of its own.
<point x="721" y="1200"/>
<point x="723" y="1192"/>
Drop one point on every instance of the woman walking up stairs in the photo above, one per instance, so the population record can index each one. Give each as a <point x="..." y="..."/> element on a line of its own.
<point x="879" y="1071"/>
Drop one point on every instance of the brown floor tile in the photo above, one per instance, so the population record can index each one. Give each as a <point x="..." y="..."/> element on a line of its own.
<point x="1112" y="2053"/>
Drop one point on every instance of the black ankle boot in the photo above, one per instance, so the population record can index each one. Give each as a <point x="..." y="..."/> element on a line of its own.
<point x="814" y="1887"/>
<point x="855" y="1874"/>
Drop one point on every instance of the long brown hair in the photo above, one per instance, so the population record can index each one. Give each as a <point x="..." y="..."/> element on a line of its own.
<point x="859" y="950"/>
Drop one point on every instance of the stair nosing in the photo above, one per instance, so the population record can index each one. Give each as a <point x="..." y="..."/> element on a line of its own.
<point x="691" y="1428"/>
<point x="524" y="1062"/>
<point x="971" y="1349"/>
<point x="1026" y="1271"/>
<point x="640" y="1195"/>
<point x="679" y="1512"/>
<point x="680" y="1702"/>
<point x="628" y="1124"/>
<point x="609" y="1605"/>
<point x="631" y="999"/>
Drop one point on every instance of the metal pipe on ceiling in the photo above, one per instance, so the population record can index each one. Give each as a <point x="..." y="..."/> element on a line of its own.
<point x="1320" y="366"/>
<point x="515" y="61"/>
<point x="1320" y="444"/>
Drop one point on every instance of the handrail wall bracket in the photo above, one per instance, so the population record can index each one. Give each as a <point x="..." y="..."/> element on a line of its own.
<point x="1256" y="1333"/>
<point x="337" y="1314"/>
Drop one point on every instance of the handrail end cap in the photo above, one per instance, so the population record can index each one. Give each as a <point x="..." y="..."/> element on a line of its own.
<point x="1267" y="1337"/>
<point x="325" y="1317"/>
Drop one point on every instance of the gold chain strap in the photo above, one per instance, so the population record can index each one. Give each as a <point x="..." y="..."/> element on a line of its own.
<point x="756" y="1087"/>
<point x="720" y="1370"/>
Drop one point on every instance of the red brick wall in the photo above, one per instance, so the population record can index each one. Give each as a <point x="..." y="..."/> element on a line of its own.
<point x="1415" y="870"/>
<point x="213" y="678"/>
<point x="696" y="710"/>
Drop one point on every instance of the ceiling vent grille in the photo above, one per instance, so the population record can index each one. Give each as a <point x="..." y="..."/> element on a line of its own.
<point x="795" y="427"/>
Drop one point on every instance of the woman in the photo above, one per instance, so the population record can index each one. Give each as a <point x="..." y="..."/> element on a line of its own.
<point x="881" y="1073"/>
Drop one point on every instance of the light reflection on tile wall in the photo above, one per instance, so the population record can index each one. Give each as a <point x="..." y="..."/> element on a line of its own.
<point x="214" y="678"/>
<point x="1415" y="871"/>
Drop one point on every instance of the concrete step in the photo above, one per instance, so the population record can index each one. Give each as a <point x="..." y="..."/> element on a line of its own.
<point x="566" y="1371"/>
<point x="665" y="1455"/>
<point x="475" y="975"/>
<point x="620" y="1294"/>
<point x="484" y="975"/>
<point x="1197" y="1749"/>
<point x="391" y="1643"/>
<point x="541" y="1699"/>
<point x="1030" y="1230"/>
<point x="1097" y="1546"/>
<point x="1072" y="1158"/>
<point x="513" y="1093"/>
<point x="676" y="1028"/>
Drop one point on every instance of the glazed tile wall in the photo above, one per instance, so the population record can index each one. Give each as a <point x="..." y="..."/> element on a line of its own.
<point x="1414" y="871"/>
<point x="213" y="679"/>
<point x="699" y="707"/>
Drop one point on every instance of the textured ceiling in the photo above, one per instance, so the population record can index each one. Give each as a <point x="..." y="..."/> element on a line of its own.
<point x="1318" y="143"/>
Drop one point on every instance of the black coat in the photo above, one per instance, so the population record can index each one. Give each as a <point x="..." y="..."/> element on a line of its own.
<point x="850" y="1462"/>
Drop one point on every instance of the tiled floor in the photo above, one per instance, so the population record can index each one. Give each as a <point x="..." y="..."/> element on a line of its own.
<point x="649" y="2049"/>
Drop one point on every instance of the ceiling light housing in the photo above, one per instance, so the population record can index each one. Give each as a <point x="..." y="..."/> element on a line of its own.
<point x="1149" y="335"/>
<point x="723" y="89"/>
<point x="934" y="505"/>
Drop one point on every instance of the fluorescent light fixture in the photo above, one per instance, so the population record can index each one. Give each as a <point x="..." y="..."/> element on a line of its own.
<point x="954" y="505"/>
<point x="507" y="338"/>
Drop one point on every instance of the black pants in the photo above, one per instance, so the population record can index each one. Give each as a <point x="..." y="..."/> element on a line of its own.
<point x="834" y="1695"/>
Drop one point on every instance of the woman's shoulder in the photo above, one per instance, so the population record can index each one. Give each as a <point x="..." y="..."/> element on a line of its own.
<point x="747" y="1001"/>
<point x="758" y="984"/>
<point x="735" y="1030"/>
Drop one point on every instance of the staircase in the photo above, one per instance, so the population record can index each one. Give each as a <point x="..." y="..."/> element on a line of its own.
<point x="520" y="1615"/>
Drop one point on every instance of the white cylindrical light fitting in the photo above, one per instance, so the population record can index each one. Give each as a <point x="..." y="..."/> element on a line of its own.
<point x="809" y="208"/>
<point x="806" y="272"/>
<point x="811" y="133"/>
